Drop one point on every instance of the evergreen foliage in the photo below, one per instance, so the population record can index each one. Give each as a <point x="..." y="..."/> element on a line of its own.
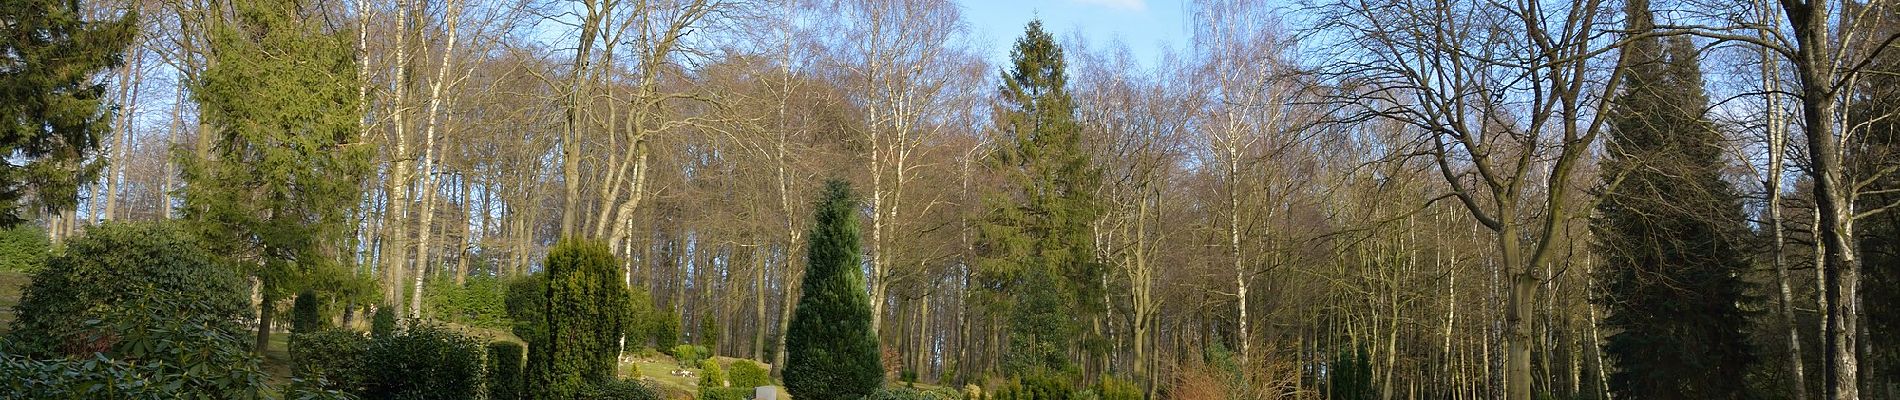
<point x="273" y="193"/>
<point x="479" y="301"/>
<point x="1350" y="377"/>
<point x="329" y="359"/>
<point x="708" y="333"/>
<point x="425" y="361"/>
<point x="580" y="344"/>
<point x="383" y="323"/>
<point x="1036" y="246"/>
<point x="1037" y="385"/>
<point x="23" y="248"/>
<point x="619" y="390"/>
<point x="52" y="112"/>
<point x="832" y="353"/>
<point x="749" y="374"/>
<point x="504" y="371"/>
<point x="666" y="330"/>
<point x="710" y="375"/>
<point x="120" y="279"/>
<point x="905" y="393"/>
<point x="305" y="316"/>
<point x="1671" y="233"/>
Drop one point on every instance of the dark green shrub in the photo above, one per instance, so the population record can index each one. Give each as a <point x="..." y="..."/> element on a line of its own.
<point x="666" y="330"/>
<point x="708" y="333"/>
<point x="329" y="359"/>
<point x="710" y="375"/>
<point x="383" y="324"/>
<point x="580" y="344"/>
<point x="831" y="351"/>
<point x="746" y="373"/>
<point x="618" y="390"/>
<point x="23" y="248"/>
<point x="1111" y="388"/>
<point x="304" y="314"/>
<point x="1352" y="377"/>
<point x="150" y="355"/>
<point x="1037" y="385"/>
<point x="423" y="362"/>
<point x="724" y="393"/>
<point x="908" y="377"/>
<point x="688" y="355"/>
<point x="905" y="393"/>
<point x="504" y="371"/>
<point x="480" y="300"/>
<point x="122" y="280"/>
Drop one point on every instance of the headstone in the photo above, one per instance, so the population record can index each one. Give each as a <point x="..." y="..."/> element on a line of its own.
<point x="765" y="393"/>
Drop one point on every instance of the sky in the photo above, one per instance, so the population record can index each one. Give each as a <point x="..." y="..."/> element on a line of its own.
<point x="1146" y="26"/>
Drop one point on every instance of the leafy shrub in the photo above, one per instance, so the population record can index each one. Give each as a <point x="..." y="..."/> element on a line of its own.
<point x="618" y="390"/>
<point x="688" y="355"/>
<point x="666" y="329"/>
<point x="479" y="301"/>
<point x="710" y="375"/>
<point x="423" y="362"/>
<point x="746" y="373"/>
<point x="383" y="324"/>
<point x="125" y="279"/>
<point x="908" y="377"/>
<point x="905" y="393"/>
<point x="304" y="314"/>
<point x="504" y="371"/>
<point x="159" y="356"/>
<point x="724" y="393"/>
<point x="1111" y="388"/>
<point x="329" y="359"/>
<point x="1039" y="385"/>
<point x="23" y="248"/>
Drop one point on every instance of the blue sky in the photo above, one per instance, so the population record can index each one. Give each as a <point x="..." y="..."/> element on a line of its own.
<point x="1146" y="26"/>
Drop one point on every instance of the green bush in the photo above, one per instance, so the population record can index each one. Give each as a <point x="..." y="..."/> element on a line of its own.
<point x="724" y="393"/>
<point x="1111" y="388"/>
<point x="666" y="329"/>
<point x="710" y="375"/>
<point x="304" y="314"/>
<point x="905" y="393"/>
<point x="125" y="280"/>
<point x="708" y="333"/>
<point x="150" y="355"/>
<point x="23" y="248"/>
<point x="329" y="359"/>
<point x="479" y="301"/>
<point x="1037" y="385"/>
<point x="383" y="324"/>
<point x="423" y="362"/>
<point x="504" y="371"/>
<point x="100" y="377"/>
<point x="746" y="373"/>
<point x="618" y="390"/>
<point x="579" y="345"/>
<point x="688" y="355"/>
<point x="831" y="351"/>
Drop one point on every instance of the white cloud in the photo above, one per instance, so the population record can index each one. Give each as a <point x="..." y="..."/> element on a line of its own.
<point x="1123" y="5"/>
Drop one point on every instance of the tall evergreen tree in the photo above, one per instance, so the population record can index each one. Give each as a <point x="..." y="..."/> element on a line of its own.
<point x="831" y="351"/>
<point x="585" y="313"/>
<point x="1671" y="232"/>
<point x="52" y="112"/>
<point x="275" y="195"/>
<point x="1037" y="251"/>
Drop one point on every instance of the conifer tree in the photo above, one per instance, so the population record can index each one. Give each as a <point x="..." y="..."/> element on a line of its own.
<point x="832" y="353"/>
<point x="52" y="113"/>
<point x="276" y="191"/>
<point x="1670" y="230"/>
<point x="585" y="313"/>
<point x="1037" y="252"/>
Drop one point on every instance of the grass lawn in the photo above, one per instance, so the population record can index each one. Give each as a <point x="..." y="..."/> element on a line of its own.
<point x="11" y="286"/>
<point x="659" y="370"/>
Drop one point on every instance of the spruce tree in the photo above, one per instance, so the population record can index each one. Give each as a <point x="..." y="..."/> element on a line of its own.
<point x="1671" y="233"/>
<point x="832" y="352"/>
<point x="52" y="113"/>
<point x="1037" y="251"/>
<point x="274" y="192"/>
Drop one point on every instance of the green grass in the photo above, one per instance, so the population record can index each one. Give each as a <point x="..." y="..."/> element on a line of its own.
<point x="12" y="286"/>
<point x="659" y="370"/>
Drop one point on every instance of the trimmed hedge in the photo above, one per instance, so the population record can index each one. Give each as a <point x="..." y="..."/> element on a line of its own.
<point x="504" y="371"/>
<point x="724" y="393"/>
<point x="329" y="359"/>
<point x="618" y="390"/>
<point x="423" y="362"/>
<point x="747" y="374"/>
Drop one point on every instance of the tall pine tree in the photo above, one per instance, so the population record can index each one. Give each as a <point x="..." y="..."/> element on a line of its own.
<point x="831" y="351"/>
<point x="52" y="112"/>
<point x="582" y="320"/>
<point x="275" y="195"/>
<point x="1037" y="252"/>
<point x="1671" y="233"/>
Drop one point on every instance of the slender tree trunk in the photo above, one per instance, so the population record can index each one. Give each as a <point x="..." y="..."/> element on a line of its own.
<point x="425" y="228"/>
<point x="396" y="251"/>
